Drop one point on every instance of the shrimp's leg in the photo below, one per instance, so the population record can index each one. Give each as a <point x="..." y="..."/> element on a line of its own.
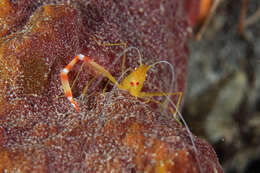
<point x="90" y="82"/>
<point x="65" y="80"/>
<point x="149" y="95"/>
<point x="98" y="68"/>
<point x="77" y="76"/>
<point x="86" y="87"/>
<point x="114" y="44"/>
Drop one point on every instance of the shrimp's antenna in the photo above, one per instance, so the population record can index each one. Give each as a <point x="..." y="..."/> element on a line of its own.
<point x="189" y="132"/>
<point x="173" y="76"/>
<point x="114" y="87"/>
<point x="166" y="62"/>
<point x="132" y="47"/>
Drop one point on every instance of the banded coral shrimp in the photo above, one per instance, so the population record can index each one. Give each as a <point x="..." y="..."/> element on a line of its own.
<point x="133" y="83"/>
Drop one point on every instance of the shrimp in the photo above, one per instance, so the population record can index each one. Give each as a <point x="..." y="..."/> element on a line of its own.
<point x="133" y="83"/>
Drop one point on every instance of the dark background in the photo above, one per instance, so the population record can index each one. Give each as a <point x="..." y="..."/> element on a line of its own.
<point x="222" y="103"/>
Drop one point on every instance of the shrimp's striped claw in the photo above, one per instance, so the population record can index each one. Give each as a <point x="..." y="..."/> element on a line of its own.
<point x="65" y="80"/>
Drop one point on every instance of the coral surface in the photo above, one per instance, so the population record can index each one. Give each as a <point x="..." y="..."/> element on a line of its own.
<point x="41" y="132"/>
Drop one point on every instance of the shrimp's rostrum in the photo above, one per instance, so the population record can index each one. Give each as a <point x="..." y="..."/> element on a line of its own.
<point x="133" y="83"/>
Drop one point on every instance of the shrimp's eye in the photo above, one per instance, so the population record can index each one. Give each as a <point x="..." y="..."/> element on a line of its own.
<point x="137" y="83"/>
<point x="132" y="83"/>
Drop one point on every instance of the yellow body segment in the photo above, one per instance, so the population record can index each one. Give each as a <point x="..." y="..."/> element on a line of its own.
<point x="135" y="80"/>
